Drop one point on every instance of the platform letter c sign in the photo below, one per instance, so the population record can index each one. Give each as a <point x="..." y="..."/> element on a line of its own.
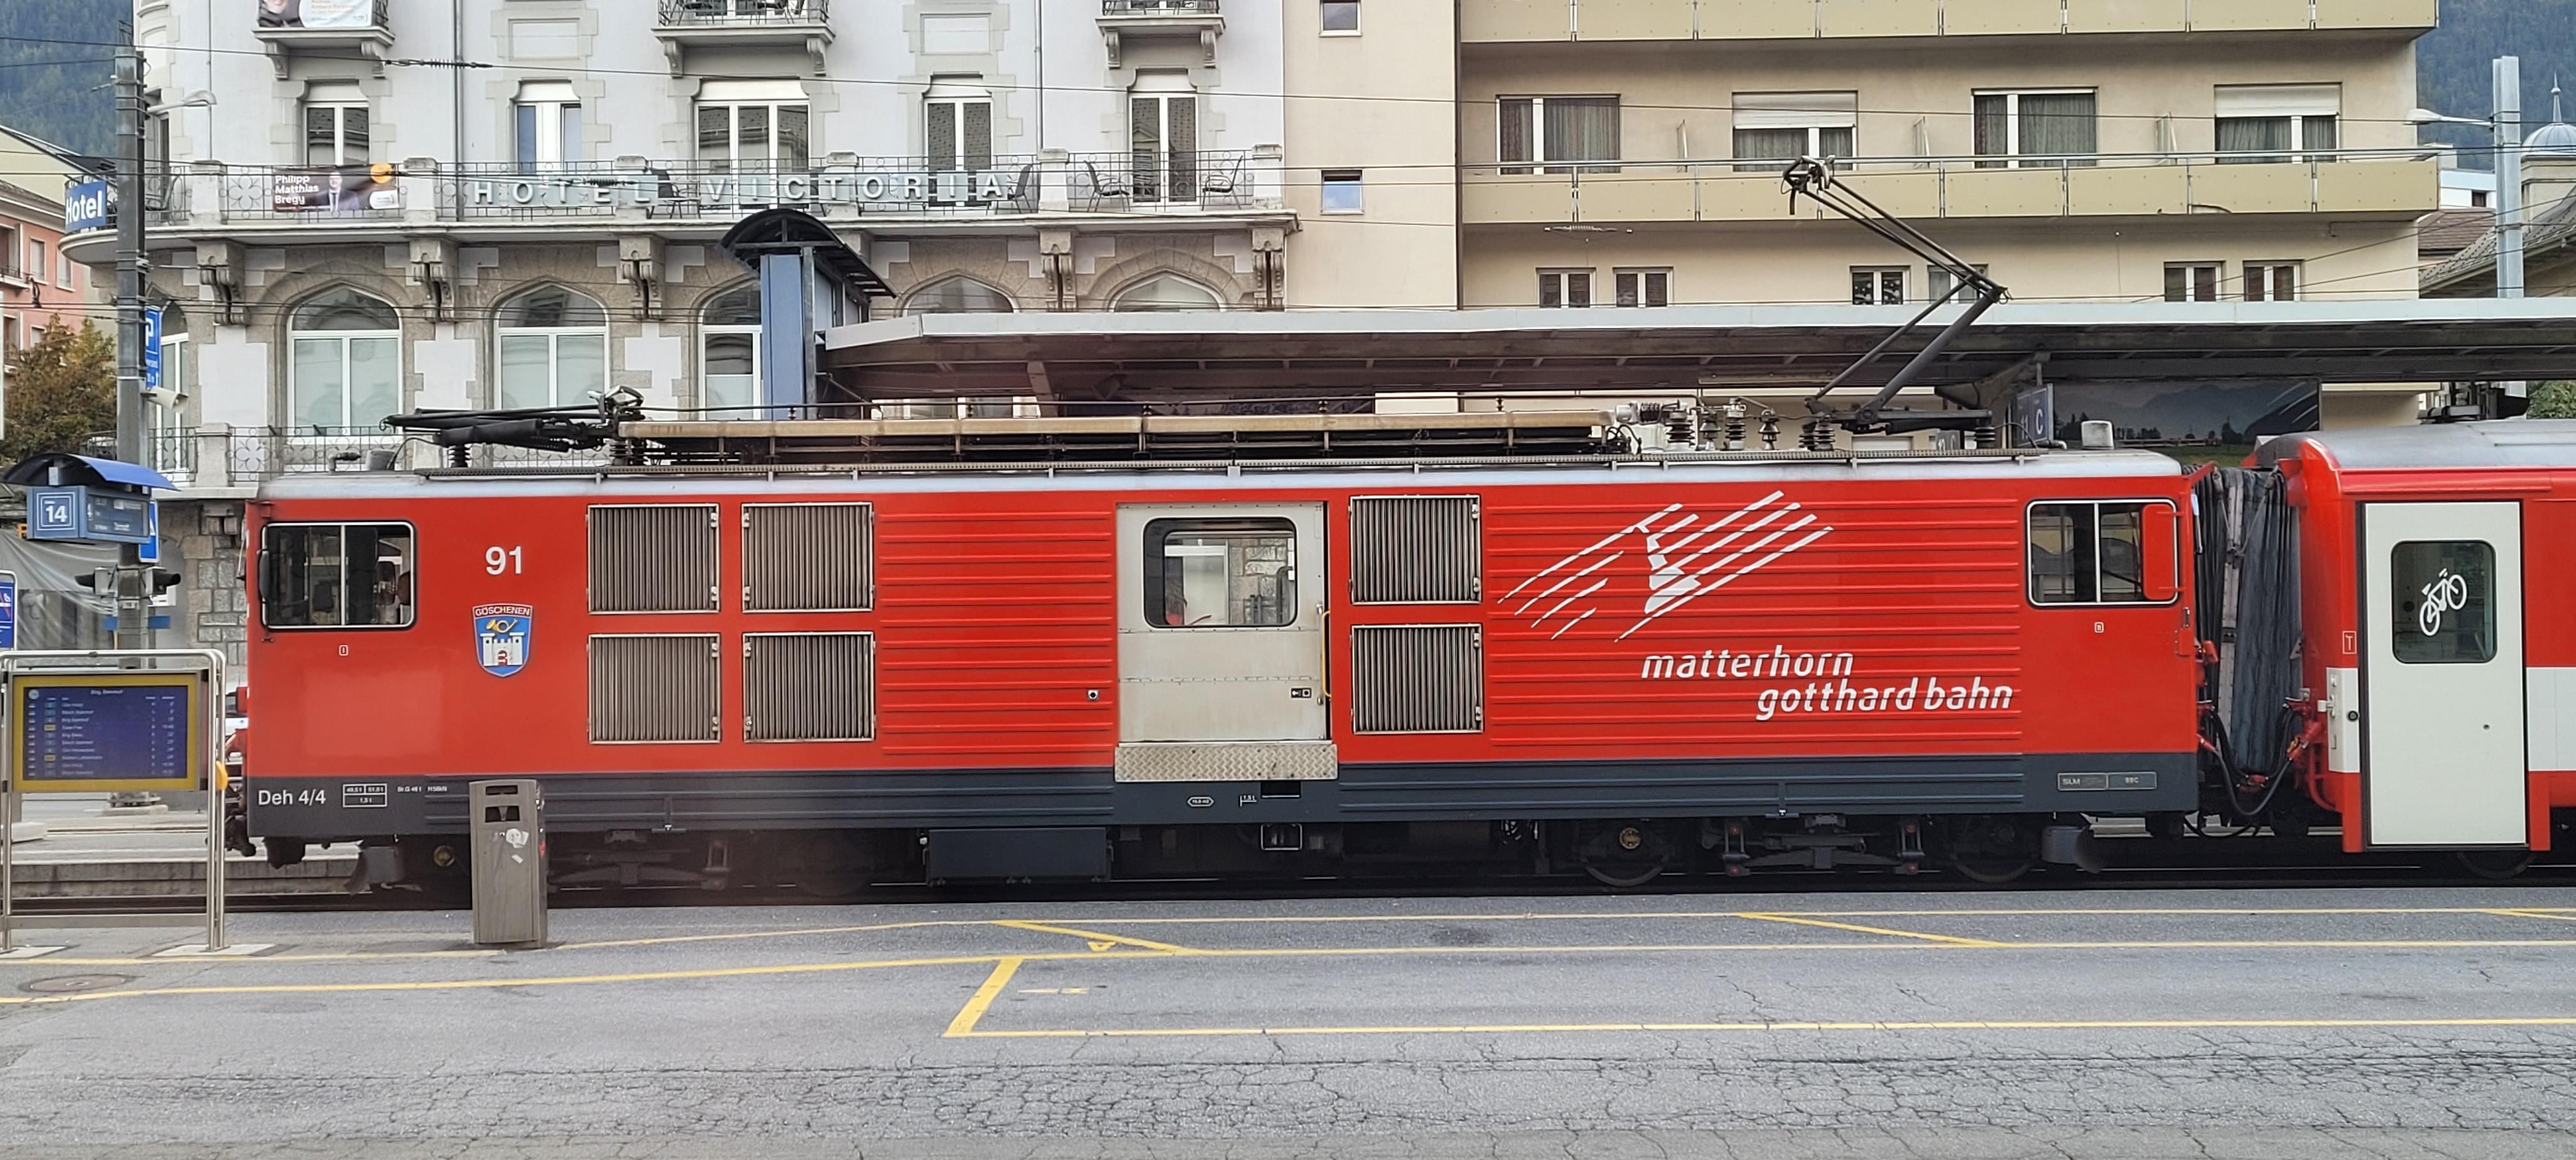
<point x="2448" y="593"/>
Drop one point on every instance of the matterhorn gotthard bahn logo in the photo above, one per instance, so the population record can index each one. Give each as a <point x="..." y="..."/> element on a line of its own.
<point x="1639" y="575"/>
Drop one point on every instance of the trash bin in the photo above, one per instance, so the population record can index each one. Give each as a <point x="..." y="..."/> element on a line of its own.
<point x="509" y="832"/>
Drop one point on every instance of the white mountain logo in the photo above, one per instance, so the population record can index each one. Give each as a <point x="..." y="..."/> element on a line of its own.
<point x="1673" y="549"/>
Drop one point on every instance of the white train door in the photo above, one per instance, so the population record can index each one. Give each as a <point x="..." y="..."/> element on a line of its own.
<point x="2442" y="674"/>
<point x="1221" y="643"/>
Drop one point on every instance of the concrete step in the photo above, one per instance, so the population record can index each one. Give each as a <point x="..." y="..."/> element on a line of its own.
<point x="161" y="875"/>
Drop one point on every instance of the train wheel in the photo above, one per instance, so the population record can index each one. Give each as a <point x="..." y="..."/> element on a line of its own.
<point x="2495" y="865"/>
<point x="1623" y="856"/>
<point x="1992" y="851"/>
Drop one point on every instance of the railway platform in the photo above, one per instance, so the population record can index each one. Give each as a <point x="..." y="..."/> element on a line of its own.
<point x="2283" y="1024"/>
<point x="70" y="847"/>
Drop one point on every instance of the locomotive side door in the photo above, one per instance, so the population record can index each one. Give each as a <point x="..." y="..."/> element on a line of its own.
<point x="2443" y="761"/>
<point x="1221" y="642"/>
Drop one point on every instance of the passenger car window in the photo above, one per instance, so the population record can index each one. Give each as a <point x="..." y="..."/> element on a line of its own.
<point x="1232" y="573"/>
<point x="2084" y="552"/>
<point x="336" y="576"/>
<point x="2443" y="593"/>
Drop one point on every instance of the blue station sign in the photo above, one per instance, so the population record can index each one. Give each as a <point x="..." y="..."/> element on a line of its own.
<point x="84" y="513"/>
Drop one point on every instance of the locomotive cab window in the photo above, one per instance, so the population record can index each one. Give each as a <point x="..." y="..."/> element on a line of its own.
<point x="2444" y="600"/>
<point x="1232" y="573"/>
<point x="2110" y="552"/>
<point x="336" y="576"/>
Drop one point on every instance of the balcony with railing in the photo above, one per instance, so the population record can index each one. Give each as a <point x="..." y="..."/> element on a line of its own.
<point x="1515" y="21"/>
<point x="2352" y="183"/>
<point x="640" y="193"/>
<point x="793" y="24"/>
<point x="363" y="29"/>
<point x="219" y="457"/>
<point x="1121" y="20"/>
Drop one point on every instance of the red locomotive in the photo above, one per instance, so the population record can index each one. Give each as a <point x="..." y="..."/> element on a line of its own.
<point x="787" y="668"/>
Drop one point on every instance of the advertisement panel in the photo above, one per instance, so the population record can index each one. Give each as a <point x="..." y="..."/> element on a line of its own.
<point x="316" y="13"/>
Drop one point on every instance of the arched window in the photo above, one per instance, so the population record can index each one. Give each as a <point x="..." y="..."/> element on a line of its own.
<point x="958" y="294"/>
<point x="347" y="360"/>
<point x="729" y="353"/>
<point x="554" y="348"/>
<point x="1166" y="292"/>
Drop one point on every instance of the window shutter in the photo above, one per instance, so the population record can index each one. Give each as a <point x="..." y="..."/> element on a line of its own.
<point x="1145" y="146"/>
<point x="1184" y="148"/>
<point x="939" y="129"/>
<point x="979" y="135"/>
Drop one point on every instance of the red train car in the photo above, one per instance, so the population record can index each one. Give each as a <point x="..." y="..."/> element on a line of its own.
<point x="2438" y="651"/>
<point x="1619" y="663"/>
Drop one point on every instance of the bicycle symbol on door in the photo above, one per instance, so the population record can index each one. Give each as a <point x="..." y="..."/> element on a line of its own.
<point x="2448" y="593"/>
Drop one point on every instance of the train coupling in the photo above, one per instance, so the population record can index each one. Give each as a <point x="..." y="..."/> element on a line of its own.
<point x="2070" y="846"/>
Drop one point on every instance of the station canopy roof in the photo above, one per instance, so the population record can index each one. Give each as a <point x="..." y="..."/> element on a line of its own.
<point x="1236" y="354"/>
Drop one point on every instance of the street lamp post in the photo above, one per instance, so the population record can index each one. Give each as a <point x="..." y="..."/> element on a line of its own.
<point x="2507" y="127"/>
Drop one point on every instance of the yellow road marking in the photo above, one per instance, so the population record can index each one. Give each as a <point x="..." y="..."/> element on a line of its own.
<point x="2560" y="913"/>
<point x="776" y="969"/>
<point x="752" y="934"/>
<point x="964" y="1024"/>
<point x="1805" y="921"/>
<point x="1098" y="941"/>
<point x="1989" y="912"/>
<point x="1786" y="1025"/>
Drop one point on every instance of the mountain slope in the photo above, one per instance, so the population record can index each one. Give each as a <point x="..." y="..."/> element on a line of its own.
<point x="66" y="103"/>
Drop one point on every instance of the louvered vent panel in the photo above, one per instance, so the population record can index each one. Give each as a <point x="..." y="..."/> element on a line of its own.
<point x="808" y="557"/>
<point x="1415" y="550"/>
<point x="654" y="688"/>
<point x="1418" y="678"/>
<point x="811" y="686"/>
<point x="653" y="558"/>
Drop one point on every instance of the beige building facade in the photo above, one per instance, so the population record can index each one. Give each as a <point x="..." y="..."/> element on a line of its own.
<point x="1616" y="153"/>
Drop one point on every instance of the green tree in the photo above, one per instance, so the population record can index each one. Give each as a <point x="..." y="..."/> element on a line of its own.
<point x="62" y="389"/>
<point x="2555" y="400"/>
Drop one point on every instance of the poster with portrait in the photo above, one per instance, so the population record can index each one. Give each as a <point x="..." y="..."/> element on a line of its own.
<point x="316" y="13"/>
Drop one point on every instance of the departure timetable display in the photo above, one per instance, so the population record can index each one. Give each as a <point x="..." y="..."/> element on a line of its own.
<point x="108" y="731"/>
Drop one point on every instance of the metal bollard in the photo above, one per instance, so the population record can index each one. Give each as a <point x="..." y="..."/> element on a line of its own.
<point x="509" y="836"/>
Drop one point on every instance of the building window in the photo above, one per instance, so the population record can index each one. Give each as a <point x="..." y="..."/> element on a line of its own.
<point x="1938" y="282"/>
<point x="1166" y="292"/>
<point x="1643" y="287"/>
<point x="2091" y="553"/>
<point x="1878" y="285"/>
<point x="752" y="126"/>
<point x="1342" y="191"/>
<point x="9" y="267"/>
<point x="958" y="294"/>
<point x="1563" y="134"/>
<point x="729" y="353"/>
<point x="1773" y="128"/>
<point x="64" y="278"/>
<point x="1163" y="139"/>
<point x="957" y="126"/>
<point x="548" y="130"/>
<point x="347" y="360"/>
<point x="1235" y="573"/>
<point x="2275" y="123"/>
<point x="1571" y="288"/>
<point x="554" y="349"/>
<point x="2191" y="281"/>
<point x="1341" y="16"/>
<point x="11" y="340"/>
<point x="2049" y="128"/>
<point x="335" y="576"/>
<point x="2271" y="281"/>
<point x="335" y="125"/>
<point x="38" y="257"/>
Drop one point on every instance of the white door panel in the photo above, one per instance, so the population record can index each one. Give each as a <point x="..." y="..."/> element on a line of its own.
<point x="1220" y="622"/>
<point x="2442" y="672"/>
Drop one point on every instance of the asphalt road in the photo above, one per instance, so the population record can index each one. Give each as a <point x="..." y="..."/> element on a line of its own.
<point x="2272" y="1025"/>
